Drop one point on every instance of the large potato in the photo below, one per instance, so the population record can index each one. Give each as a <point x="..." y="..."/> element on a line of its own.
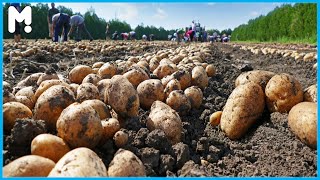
<point x="107" y="70"/>
<point x="87" y="91"/>
<point x="80" y="126"/>
<point x="49" y="146"/>
<point x="283" y="92"/>
<point x="195" y="95"/>
<point x="12" y="111"/>
<point x="51" y="103"/>
<point x="244" y="106"/>
<point x="122" y="97"/>
<point x="78" y="73"/>
<point x="310" y="94"/>
<point x="136" y="75"/>
<point x="165" y="118"/>
<point x="178" y="101"/>
<point x="46" y="85"/>
<point x="29" y="166"/>
<point x="150" y="91"/>
<point x="302" y="121"/>
<point x="125" y="164"/>
<point x="257" y="76"/>
<point x="100" y="107"/>
<point x="80" y="162"/>
<point x="199" y="77"/>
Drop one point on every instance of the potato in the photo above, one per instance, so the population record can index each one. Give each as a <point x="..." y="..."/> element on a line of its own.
<point x="302" y="121"/>
<point x="283" y="92"/>
<point x="136" y="75"/>
<point x="150" y="91"/>
<point x="51" y="103"/>
<point x="257" y="76"/>
<point x="120" y="139"/>
<point x="102" y="85"/>
<point x="171" y="86"/>
<point x="210" y="70"/>
<point x="87" y="91"/>
<point x="110" y="127"/>
<point x="30" y="80"/>
<point x="29" y="166"/>
<point x="163" y="70"/>
<point x="47" y="76"/>
<point x="8" y="97"/>
<point x="310" y="94"/>
<point x="6" y="86"/>
<point x="183" y="77"/>
<point x="244" y="106"/>
<point x="46" y="85"/>
<point x="154" y="63"/>
<point x="165" y="118"/>
<point x="108" y="70"/>
<point x="194" y="94"/>
<point x="13" y="111"/>
<point x="78" y="73"/>
<point x="143" y="64"/>
<point x="178" y="101"/>
<point x="126" y="164"/>
<point x="215" y="118"/>
<point x="28" y="92"/>
<point x="97" y="65"/>
<point x="49" y="146"/>
<point x="26" y="101"/>
<point x="100" y="107"/>
<point x="91" y="78"/>
<point x="74" y="87"/>
<point x="133" y="59"/>
<point x="80" y="162"/>
<point x="79" y="125"/>
<point x="199" y="77"/>
<point x="122" y="97"/>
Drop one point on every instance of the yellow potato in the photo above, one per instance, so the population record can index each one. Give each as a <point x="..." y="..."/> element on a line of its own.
<point x="100" y="107"/>
<point x="199" y="77"/>
<point x="46" y="85"/>
<point x="195" y="95"/>
<point x="110" y="127"/>
<point x="91" y="78"/>
<point x="120" y="139"/>
<point x="78" y="73"/>
<point x="210" y="69"/>
<point x="257" y="76"/>
<point x="136" y="75"/>
<point x="215" y="118"/>
<point x="13" y="111"/>
<point x="102" y="85"/>
<point x="26" y="101"/>
<point x="150" y="91"/>
<point x="87" y="91"/>
<point x="184" y="78"/>
<point x="108" y="70"/>
<point x="178" y="101"/>
<point x="310" y="94"/>
<point x="171" y="86"/>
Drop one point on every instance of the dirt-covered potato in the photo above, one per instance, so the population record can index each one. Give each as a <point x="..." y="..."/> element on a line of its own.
<point x="150" y="91"/>
<point x="178" y="101"/>
<point x="28" y="166"/>
<point x="143" y="63"/>
<point x="46" y="85"/>
<point x="302" y="121"/>
<point x="165" y="118"/>
<point x="97" y="65"/>
<point x="100" y="107"/>
<point x="51" y="103"/>
<point x="195" y="95"/>
<point x="310" y="94"/>
<point x="120" y="139"/>
<point x="110" y="127"/>
<point x="49" y="146"/>
<point x="12" y="111"/>
<point x="283" y="92"/>
<point x="91" y="78"/>
<point x="87" y="91"/>
<point x="28" y="92"/>
<point x="153" y="64"/>
<point x="126" y="164"/>
<point x="107" y="70"/>
<point x="171" y="86"/>
<point x="199" y="77"/>
<point x="26" y="101"/>
<point x="215" y="118"/>
<point x="184" y="78"/>
<point x="78" y="73"/>
<point x="8" y="97"/>
<point x="163" y="70"/>
<point x="244" y="106"/>
<point x="80" y="162"/>
<point x="102" y="86"/>
<point x="210" y="69"/>
<point x="31" y="80"/>
<point x="47" y="76"/>
<point x="80" y="126"/>
<point x="74" y="88"/>
<point x="136" y="75"/>
<point x="257" y="76"/>
<point x="122" y="97"/>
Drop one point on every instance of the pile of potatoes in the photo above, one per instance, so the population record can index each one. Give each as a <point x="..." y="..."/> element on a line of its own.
<point x="90" y="105"/>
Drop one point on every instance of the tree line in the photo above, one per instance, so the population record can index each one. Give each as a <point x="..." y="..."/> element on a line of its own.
<point x="95" y="25"/>
<point x="287" y="22"/>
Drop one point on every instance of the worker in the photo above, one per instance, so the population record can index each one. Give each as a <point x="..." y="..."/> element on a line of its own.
<point x="77" y="22"/>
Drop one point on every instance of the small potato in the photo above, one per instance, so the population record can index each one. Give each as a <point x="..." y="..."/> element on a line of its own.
<point x="163" y="70"/>
<point x="80" y="126"/>
<point x="126" y="164"/>
<point x="26" y="101"/>
<point x="215" y="118"/>
<point x="46" y="85"/>
<point x="108" y="70"/>
<point x="29" y="166"/>
<point x="150" y="91"/>
<point x="244" y="106"/>
<point x="120" y="139"/>
<point x="49" y="146"/>
<point x="210" y="69"/>
<point x="310" y="94"/>
<point x="87" y="91"/>
<point x="183" y="77"/>
<point x="257" y="76"/>
<point x="13" y="111"/>
<point x="110" y="127"/>
<point x="199" y="77"/>
<point x="74" y="87"/>
<point x="133" y="59"/>
<point x="78" y="73"/>
<point x="171" y="86"/>
<point x="283" y="92"/>
<point x="302" y="121"/>
<point x="165" y="118"/>
<point x="102" y="86"/>
<point x="91" y="78"/>
<point x="195" y="95"/>
<point x="80" y="162"/>
<point x="178" y="101"/>
<point x="136" y="75"/>
<point x="97" y="65"/>
<point x="51" y="103"/>
<point x="100" y="107"/>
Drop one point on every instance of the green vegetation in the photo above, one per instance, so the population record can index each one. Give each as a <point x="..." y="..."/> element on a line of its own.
<point x="285" y="24"/>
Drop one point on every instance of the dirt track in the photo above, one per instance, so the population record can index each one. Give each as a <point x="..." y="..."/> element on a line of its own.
<point x="268" y="149"/>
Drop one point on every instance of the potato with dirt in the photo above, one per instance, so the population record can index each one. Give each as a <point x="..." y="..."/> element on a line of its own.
<point x="150" y="91"/>
<point x="26" y="101"/>
<point x="122" y="97"/>
<point x="215" y="118"/>
<point x="87" y="91"/>
<point x="80" y="126"/>
<point x="195" y="95"/>
<point x="120" y="139"/>
<point x="28" y="166"/>
<point x="51" y="103"/>
<point x="244" y="106"/>
<point x="49" y="74"/>
<point x="102" y="86"/>
<point x="108" y="70"/>
<point x="126" y="164"/>
<point x="302" y="121"/>
<point x="210" y="69"/>
<point x="80" y="162"/>
<point x="260" y="77"/>
<point x="199" y="77"/>
<point x="136" y="75"/>
<point x="31" y="80"/>
<point x="310" y="94"/>
<point x="171" y="86"/>
<point x="8" y="97"/>
<point x="110" y="127"/>
<point x="163" y="117"/>
<point x="100" y="107"/>
<point x="28" y="92"/>
<point x="78" y="73"/>
<point x="178" y="101"/>
<point x="91" y="78"/>
<point x="13" y="111"/>
<point x="283" y="91"/>
<point x="49" y="146"/>
<point x="184" y="78"/>
<point x="164" y="70"/>
<point x="46" y="85"/>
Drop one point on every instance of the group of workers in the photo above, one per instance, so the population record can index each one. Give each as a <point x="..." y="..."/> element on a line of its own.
<point x="130" y="36"/>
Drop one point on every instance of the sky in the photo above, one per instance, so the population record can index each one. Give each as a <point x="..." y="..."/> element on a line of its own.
<point x="177" y="15"/>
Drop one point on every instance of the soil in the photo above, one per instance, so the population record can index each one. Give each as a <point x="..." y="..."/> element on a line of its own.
<point x="268" y="149"/>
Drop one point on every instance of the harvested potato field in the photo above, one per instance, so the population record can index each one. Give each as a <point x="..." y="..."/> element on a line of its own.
<point x="162" y="108"/>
